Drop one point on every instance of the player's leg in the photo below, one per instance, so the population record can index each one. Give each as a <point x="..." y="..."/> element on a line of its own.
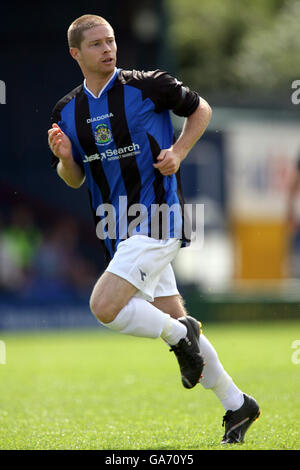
<point x="214" y="375"/>
<point x="241" y="410"/>
<point x="173" y="305"/>
<point x="113" y="304"/>
<point x="119" y="301"/>
<point x="110" y="294"/>
<point x="135" y="268"/>
<point x="140" y="318"/>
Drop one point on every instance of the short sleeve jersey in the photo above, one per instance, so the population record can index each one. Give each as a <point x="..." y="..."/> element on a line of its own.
<point x="116" y="138"/>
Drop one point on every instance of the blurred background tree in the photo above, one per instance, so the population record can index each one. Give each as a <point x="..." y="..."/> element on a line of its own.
<point x="236" y="46"/>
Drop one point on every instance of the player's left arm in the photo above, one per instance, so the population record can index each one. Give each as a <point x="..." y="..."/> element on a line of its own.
<point x="169" y="160"/>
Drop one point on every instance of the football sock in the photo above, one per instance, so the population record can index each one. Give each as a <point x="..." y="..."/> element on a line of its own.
<point x="228" y="393"/>
<point x="173" y="331"/>
<point x="141" y="318"/>
<point x="217" y="379"/>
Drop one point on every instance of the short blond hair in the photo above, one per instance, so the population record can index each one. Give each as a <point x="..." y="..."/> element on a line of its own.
<point x="81" y="24"/>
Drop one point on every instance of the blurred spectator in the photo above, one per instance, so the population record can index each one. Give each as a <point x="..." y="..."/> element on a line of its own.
<point x="22" y="236"/>
<point x="48" y="263"/>
<point x="55" y="254"/>
<point x="18" y="243"/>
<point x="10" y="272"/>
<point x="60" y="270"/>
<point x="293" y="219"/>
<point x="84" y="275"/>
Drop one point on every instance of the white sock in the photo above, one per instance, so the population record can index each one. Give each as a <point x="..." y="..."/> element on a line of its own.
<point x="173" y="331"/>
<point x="228" y="393"/>
<point x="140" y="318"/>
<point x="217" y="379"/>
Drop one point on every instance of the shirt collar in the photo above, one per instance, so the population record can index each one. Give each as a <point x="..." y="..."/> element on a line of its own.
<point x="105" y="86"/>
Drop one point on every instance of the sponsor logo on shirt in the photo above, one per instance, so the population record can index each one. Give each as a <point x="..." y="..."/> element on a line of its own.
<point x="114" y="154"/>
<point x="90" y="158"/>
<point x="100" y="118"/>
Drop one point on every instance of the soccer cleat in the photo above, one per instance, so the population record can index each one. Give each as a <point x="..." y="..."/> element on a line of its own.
<point x="188" y="354"/>
<point x="237" y="422"/>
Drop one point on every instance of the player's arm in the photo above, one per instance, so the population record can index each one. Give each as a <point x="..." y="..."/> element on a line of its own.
<point x="167" y="93"/>
<point x="61" y="147"/>
<point x="193" y="128"/>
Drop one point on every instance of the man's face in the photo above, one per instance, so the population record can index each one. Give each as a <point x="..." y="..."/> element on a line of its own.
<point x="98" y="50"/>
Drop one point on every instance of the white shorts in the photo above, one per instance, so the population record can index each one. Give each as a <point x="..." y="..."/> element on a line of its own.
<point x="146" y="263"/>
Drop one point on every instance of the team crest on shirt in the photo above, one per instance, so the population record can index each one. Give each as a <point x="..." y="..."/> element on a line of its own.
<point x="103" y="134"/>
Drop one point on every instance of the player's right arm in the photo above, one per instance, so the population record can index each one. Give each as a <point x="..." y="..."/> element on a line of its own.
<point x="61" y="147"/>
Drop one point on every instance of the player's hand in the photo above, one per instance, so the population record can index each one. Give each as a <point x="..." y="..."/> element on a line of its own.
<point x="168" y="162"/>
<point x="60" y="143"/>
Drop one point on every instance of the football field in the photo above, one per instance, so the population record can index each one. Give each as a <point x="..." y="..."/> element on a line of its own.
<point x="98" y="390"/>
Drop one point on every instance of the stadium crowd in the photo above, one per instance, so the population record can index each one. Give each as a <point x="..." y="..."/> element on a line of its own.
<point x="43" y="261"/>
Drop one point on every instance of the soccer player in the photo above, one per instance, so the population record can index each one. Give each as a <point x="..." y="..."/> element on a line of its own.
<point x="114" y="131"/>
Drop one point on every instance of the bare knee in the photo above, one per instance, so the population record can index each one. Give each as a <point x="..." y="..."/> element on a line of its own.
<point x="110" y="294"/>
<point x="103" y="308"/>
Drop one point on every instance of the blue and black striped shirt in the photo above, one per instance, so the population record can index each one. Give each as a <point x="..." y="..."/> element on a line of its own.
<point x="117" y="137"/>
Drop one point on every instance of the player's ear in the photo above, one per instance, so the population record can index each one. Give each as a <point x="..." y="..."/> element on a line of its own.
<point x="74" y="51"/>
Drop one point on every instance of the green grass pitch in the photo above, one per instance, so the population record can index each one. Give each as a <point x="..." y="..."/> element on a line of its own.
<point x="96" y="390"/>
